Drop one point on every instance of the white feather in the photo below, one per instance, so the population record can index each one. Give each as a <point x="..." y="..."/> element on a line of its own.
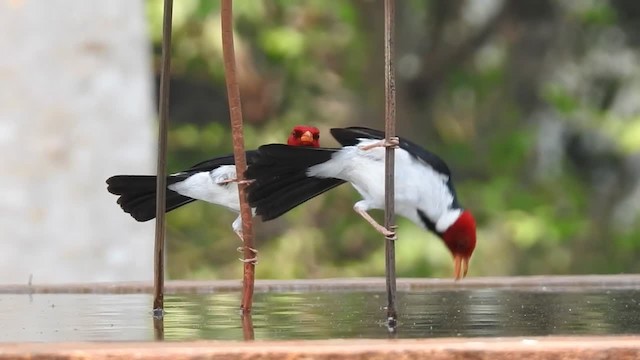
<point x="206" y="186"/>
<point x="417" y="184"/>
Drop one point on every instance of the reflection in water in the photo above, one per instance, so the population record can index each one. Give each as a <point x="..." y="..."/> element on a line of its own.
<point x="469" y="313"/>
<point x="158" y="328"/>
<point x="247" y="327"/>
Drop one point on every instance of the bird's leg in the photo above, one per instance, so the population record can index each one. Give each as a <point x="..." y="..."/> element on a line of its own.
<point x="235" y="180"/>
<point x="394" y="141"/>
<point x="237" y="228"/>
<point x="361" y="208"/>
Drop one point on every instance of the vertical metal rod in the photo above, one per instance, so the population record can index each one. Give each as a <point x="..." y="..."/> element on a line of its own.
<point x="235" y="111"/>
<point x="390" y="130"/>
<point x="161" y="180"/>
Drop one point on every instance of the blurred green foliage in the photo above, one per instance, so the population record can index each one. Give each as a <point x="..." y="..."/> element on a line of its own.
<point x="532" y="104"/>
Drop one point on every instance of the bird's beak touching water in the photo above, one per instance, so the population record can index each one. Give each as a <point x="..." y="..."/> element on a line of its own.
<point x="307" y="137"/>
<point x="460" y="266"/>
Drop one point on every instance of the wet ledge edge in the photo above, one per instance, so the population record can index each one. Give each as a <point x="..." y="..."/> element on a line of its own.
<point x="537" y="283"/>
<point x="617" y="347"/>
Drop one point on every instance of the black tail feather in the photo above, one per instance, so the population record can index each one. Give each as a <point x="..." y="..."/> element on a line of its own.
<point x="138" y="195"/>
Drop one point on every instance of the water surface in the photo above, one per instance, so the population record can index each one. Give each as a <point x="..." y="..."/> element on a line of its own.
<point x="458" y="313"/>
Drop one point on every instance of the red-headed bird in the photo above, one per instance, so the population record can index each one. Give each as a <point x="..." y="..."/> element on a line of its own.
<point x="211" y="181"/>
<point x="284" y="177"/>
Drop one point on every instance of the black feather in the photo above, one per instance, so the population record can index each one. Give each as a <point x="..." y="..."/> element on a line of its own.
<point x="213" y="164"/>
<point x="274" y="159"/>
<point x="283" y="199"/>
<point x="280" y="178"/>
<point x="138" y="195"/>
<point x="351" y="136"/>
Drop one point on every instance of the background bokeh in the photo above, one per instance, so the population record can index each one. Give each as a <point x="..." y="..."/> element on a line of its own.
<point x="534" y="104"/>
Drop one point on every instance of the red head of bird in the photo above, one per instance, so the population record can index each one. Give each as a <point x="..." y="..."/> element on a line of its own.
<point x="460" y="238"/>
<point x="303" y="135"/>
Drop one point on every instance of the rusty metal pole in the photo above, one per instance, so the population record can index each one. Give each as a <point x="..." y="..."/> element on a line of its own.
<point x="235" y="110"/>
<point x="161" y="179"/>
<point x="390" y="131"/>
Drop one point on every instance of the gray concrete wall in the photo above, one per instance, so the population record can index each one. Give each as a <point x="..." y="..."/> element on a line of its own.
<point x="75" y="108"/>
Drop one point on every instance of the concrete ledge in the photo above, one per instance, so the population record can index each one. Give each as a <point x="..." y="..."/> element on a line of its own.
<point x="578" y="282"/>
<point x="618" y="348"/>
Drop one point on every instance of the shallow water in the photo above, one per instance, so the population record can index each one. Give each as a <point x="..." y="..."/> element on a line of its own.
<point x="459" y="313"/>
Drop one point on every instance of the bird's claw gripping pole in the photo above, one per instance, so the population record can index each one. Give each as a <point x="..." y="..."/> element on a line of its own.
<point x="388" y="233"/>
<point x="239" y="182"/>
<point x="241" y="249"/>
<point x="253" y="260"/>
<point x="393" y="234"/>
<point x="390" y="142"/>
<point x="235" y="111"/>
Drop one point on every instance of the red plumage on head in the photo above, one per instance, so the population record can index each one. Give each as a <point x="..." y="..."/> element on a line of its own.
<point x="303" y="135"/>
<point x="460" y="238"/>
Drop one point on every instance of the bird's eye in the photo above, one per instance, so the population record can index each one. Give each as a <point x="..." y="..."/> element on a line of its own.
<point x="316" y="136"/>
<point x="297" y="133"/>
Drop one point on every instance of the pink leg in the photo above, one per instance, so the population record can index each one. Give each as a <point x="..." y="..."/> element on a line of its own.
<point x="381" y="229"/>
<point x="237" y="228"/>
<point x="227" y="181"/>
<point x="394" y="141"/>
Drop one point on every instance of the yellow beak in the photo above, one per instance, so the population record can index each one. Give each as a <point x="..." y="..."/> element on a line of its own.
<point x="307" y="137"/>
<point x="460" y="266"/>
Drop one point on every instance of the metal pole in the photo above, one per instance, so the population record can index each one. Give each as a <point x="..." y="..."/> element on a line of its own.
<point x="235" y="110"/>
<point x="390" y="130"/>
<point x="161" y="180"/>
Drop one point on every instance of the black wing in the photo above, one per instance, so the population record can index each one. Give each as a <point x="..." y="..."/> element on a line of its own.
<point x="280" y="178"/>
<point x="212" y="164"/>
<point x="209" y="165"/>
<point x="281" y="200"/>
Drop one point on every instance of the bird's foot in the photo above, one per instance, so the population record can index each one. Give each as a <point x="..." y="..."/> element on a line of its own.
<point x="394" y="235"/>
<point x="389" y="234"/>
<point x="253" y="260"/>
<point x="240" y="249"/>
<point x="235" y="180"/>
<point x="393" y="142"/>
